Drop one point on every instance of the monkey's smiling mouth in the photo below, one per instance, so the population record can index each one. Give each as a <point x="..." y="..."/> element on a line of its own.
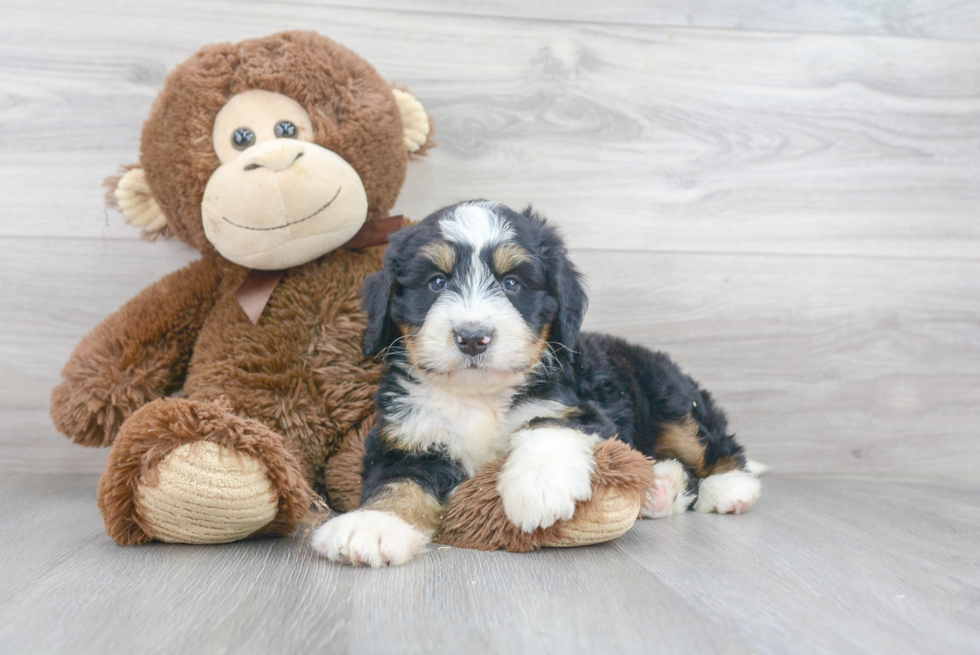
<point x="279" y="227"/>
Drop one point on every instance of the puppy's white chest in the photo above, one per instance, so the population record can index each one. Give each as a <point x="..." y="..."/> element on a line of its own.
<point x="472" y="429"/>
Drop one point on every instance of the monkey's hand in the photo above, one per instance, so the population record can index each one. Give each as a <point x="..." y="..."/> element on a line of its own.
<point x="134" y="356"/>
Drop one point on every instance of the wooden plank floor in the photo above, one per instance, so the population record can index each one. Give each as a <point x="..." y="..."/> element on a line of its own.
<point x="822" y="564"/>
<point x="791" y="214"/>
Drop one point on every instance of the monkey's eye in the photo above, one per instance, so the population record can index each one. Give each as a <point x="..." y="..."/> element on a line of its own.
<point x="511" y="284"/>
<point x="437" y="283"/>
<point x="243" y="138"/>
<point x="285" y="130"/>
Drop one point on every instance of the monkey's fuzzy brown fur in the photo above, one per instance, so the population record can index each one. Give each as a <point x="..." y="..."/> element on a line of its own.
<point x="294" y="391"/>
<point x="300" y="372"/>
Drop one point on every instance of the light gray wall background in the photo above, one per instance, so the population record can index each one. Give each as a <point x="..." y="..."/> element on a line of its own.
<point x="782" y="195"/>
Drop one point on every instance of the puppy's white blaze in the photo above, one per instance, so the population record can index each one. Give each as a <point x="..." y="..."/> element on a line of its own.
<point x="546" y="473"/>
<point x="476" y="225"/>
<point x="670" y="495"/>
<point x="728" y="493"/>
<point x="477" y="300"/>
<point x="369" y="537"/>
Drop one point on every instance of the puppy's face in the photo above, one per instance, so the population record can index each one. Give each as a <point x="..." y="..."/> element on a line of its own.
<point x="474" y="292"/>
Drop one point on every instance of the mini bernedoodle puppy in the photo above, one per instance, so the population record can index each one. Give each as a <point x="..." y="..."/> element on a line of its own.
<point x="477" y="312"/>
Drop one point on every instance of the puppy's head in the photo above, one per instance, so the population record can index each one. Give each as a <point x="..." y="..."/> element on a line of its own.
<point x="476" y="290"/>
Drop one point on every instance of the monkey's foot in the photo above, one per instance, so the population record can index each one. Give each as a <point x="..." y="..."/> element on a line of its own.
<point x="186" y="471"/>
<point x="475" y="517"/>
<point x="206" y="493"/>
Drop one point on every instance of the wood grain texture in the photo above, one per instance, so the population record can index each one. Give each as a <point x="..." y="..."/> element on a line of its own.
<point x="943" y="19"/>
<point x="823" y="363"/>
<point x="831" y="565"/>
<point x="641" y="138"/>
<point x="807" y="570"/>
<point x="791" y="216"/>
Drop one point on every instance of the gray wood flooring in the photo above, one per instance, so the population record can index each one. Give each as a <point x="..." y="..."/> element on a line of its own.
<point x="783" y="195"/>
<point x="822" y="564"/>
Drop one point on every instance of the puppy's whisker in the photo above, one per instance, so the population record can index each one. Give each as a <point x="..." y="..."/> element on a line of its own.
<point x="390" y="349"/>
<point x="554" y="355"/>
<point x="553" y="344"/>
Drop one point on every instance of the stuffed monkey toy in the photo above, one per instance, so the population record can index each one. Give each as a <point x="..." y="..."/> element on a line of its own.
<point x="234" y="390"/>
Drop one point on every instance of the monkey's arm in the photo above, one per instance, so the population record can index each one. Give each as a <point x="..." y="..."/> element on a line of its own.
<point x="136" y="355"/>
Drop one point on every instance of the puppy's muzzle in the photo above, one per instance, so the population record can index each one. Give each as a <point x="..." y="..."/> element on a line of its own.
<point x="473" y="340"/>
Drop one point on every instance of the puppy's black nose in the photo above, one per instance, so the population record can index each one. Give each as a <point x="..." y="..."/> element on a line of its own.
<point x="473" y="341"/>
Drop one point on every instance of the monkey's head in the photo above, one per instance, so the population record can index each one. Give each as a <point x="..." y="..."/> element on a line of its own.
<point x="272" y="151"/>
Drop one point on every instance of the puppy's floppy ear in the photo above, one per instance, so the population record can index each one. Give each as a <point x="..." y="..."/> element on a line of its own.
<point x="376" y="298"/>
<point x="564" y="285"/>
<point x="567" y="289"/>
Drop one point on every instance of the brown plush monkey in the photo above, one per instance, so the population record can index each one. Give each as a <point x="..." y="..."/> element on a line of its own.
<point x="278" y="159"/>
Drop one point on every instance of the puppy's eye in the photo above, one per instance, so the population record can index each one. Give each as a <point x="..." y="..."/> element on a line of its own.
<point x="511" y="285"/>
<point x="437" y="283"/>
<point x="242" y="138"/>
<point x="285" y="130"/>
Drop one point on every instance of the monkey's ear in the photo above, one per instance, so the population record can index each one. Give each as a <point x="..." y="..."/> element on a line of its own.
<point x="136" y="201"/>
<point x="414" y="119"/>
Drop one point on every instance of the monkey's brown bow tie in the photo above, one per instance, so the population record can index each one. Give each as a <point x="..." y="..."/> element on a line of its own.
<point x="253" y="294"/>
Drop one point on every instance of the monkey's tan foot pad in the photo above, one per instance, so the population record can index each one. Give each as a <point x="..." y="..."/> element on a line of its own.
<point x="186" y="471"/>
<point x="207" y="494"/>
<point x="475" y="517"/>
<point x="609" y="514"/>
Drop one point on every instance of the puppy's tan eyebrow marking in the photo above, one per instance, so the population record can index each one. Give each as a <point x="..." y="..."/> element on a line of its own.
<point x="508" y="256"/>
<point x="441" y="254"/>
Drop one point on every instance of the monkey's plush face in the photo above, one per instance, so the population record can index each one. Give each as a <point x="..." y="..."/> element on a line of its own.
<point x="273" y="151"/>
<point x="278" y="199"/>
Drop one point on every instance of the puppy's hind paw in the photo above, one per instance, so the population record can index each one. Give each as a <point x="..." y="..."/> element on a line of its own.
<point x="369" y="537"/>
<point x="728" y="493"/>
<point x="670" y="495"/>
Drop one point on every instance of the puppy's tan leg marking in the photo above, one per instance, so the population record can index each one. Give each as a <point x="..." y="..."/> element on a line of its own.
<point x="724" y="488"/>
<point x="723" y="465"/>
<point x="392" y="527"/>
<point x="411" y="503"/>
<point x="680" y="441"/>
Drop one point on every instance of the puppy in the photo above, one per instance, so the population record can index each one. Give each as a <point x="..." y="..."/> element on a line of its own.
<point x="478" y="312"/>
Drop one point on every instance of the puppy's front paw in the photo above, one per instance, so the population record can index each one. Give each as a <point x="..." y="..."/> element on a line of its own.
<point x="548" y="472"/>
<point x="368" y="537"/>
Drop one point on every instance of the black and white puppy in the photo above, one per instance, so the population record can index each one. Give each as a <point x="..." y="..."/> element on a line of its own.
<point x="478" y="312"/>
